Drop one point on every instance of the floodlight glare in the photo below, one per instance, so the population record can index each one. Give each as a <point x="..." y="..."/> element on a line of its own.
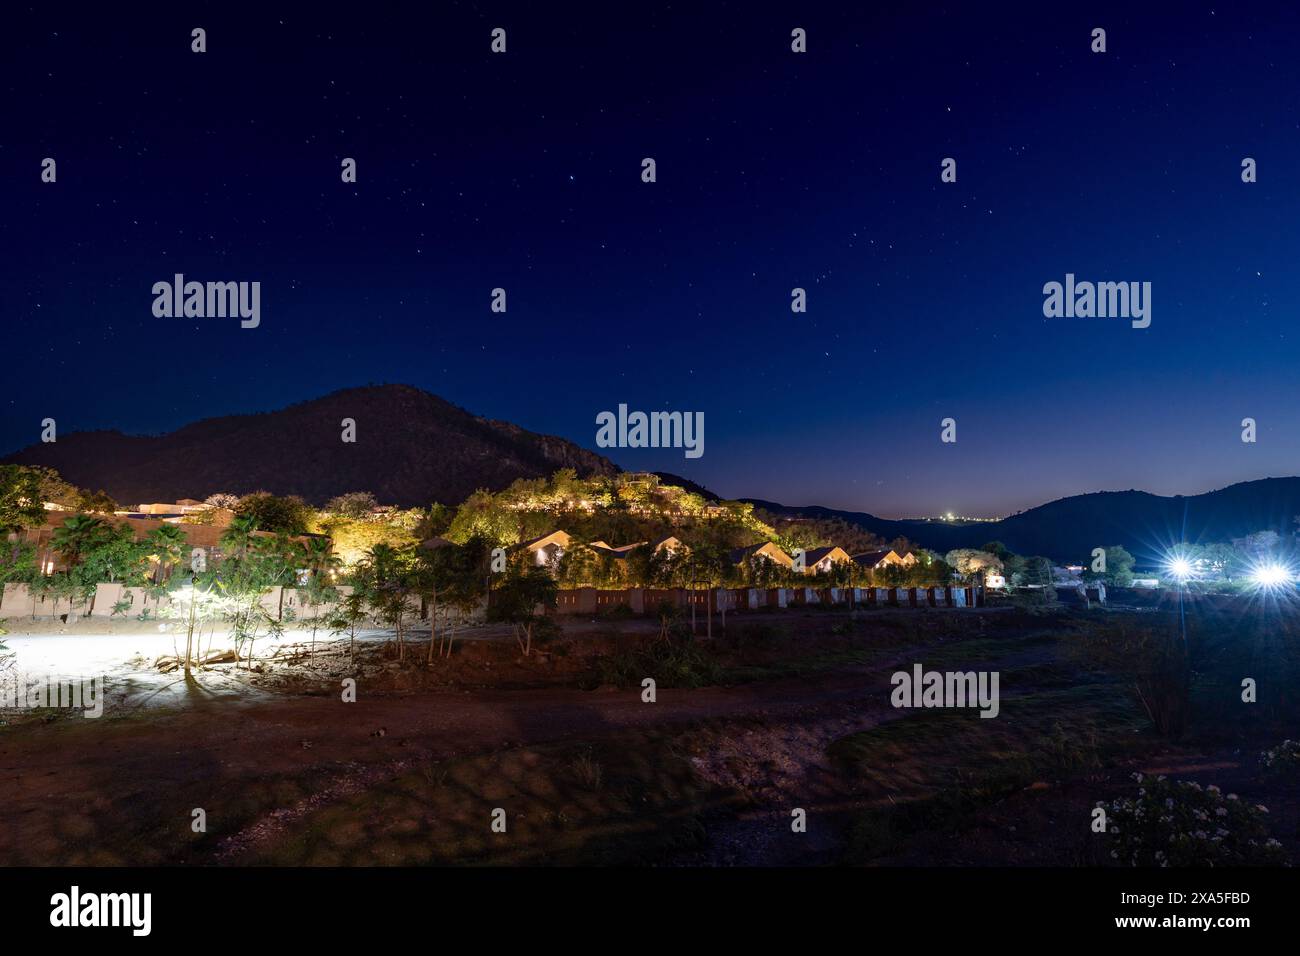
<point x="1180" y="568"/>
<point x="1270" y="575"/>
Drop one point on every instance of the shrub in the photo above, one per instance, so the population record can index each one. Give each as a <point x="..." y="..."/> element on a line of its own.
<point x="1180" y="823"/>
<point x="616" y="612"/>
<point x="1282" y="760"/>
<point x="672" y="663"/>
<point x="1155" y="660"/>
<point x="587" y="769"/>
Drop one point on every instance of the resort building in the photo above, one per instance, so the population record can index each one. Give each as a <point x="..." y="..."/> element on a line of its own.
<point x="823" y="560"/>
<point x="767" y="550"/>
<point x="875" y="560"/>
<point x="547" y="550"/>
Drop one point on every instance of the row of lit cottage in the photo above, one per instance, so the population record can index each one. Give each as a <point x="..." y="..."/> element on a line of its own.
<point x="548" y="549"/>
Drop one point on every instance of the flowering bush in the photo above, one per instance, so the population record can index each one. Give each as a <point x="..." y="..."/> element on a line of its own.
<point x="1179" y="823"/>
<point x="1282" y="761"/>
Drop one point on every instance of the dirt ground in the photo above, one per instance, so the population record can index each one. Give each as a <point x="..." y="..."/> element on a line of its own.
<point x="776" y="715"/>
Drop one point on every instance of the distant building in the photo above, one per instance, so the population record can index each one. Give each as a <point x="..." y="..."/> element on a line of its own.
<point x="185" y="506"/>
<point x="670" y="544"/>
<point x="875" y="560"/>
<point x="766" y="550"/>
<point x="823" y="560"/>
<point x="548" y="549"/>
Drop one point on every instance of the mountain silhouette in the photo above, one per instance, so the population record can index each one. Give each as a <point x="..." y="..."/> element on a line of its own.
<point x="1068" y="529"/>
<point x="412" y="448"/>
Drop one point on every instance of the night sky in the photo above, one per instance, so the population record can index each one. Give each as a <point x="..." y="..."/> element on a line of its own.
<point x="775" y="170"/>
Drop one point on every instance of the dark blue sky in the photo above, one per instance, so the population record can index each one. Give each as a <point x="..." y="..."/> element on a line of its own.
<point x="775" y="170"/>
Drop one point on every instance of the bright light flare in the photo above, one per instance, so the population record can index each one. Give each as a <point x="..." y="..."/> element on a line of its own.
<point x="1271" y="576"/>
<point x="1180" y="568"/>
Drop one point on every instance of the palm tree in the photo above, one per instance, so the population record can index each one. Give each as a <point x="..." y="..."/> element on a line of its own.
<point x="320" y="557"/>
<point x="380" y="560"/>
<point x="239" y="535"/>
<point x="77" y="535"/>
<point x="166" y="543"/>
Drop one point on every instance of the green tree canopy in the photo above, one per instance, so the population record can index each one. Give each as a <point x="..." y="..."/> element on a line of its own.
<point x="280" y="515"/>
<point x="20" y="498"/>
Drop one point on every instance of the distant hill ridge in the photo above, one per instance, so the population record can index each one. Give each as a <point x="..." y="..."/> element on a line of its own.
<point x="1067" y="529"/>
<point x="412" y="448"/>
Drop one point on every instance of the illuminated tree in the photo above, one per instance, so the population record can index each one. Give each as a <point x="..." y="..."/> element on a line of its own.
<point x="388" y="577"/>
<point x="1037" y="573"/>
<point x="99" y="502"/>
<point x="269" y="512"/>
<point x="972" y="564"/>
<point x="354" y="504"/>
<point x="452" y="576"/>
<point x="521" y="600"/>
<point x="313" y="594"/>
<point x="18" y="562"/>
<point x="319" y="559"/>
<point x="483" y="516"/>
<point x="238" y="536"/>
<point x="1119" y="568"/>
<point x="20" y="498"/>
<point x="166" y="544"/>
<point x="79" y="534"/>
<point x="579" y="566"/>
<point x="351" y="611"/>
<point x="1256" y="546"/>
